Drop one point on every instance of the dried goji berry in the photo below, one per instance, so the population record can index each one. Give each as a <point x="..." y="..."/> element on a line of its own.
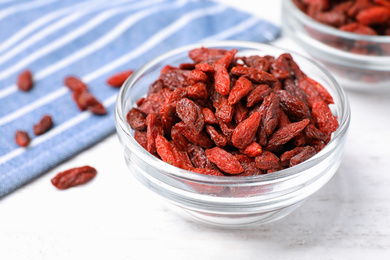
<point x="291" y="87"/>
<point x="119" y="78"/>
<point x="205" y="67"/>
<point x="269" y="111"/>
<point x="245" y="132"/>
<point x="306" y="153"/>
<point x="75" y="84"/>
<point x="197" y="91"/>
<point x="224" y="160"/>
<point x="181" y="158"/>
<point x="196" y="76"/>
<point x="324" y="118"/>
<point x="191" y="114"/>
<point x="154" y="128"/>
<point x="311" y="132"/>
<point x="22" y="138"/>
<point x="223" y="110"/>
<point x="257" y="62"/>
<point x="178" y="139"/>
<point x="43" y="125"/>
<point x="314" y="91"/>
<point x="165" y="150"/>
<point x="295" y="109"/>
<point x="74" y="177"/>
<point x="240" y="89"/>
<point x="257" y="94"/>
<point x="25" y="80"/>
<point x="198" y="157"/>
<point x="222" y="80"/>
<point x="267" y="161"/>
<point x="252" y="150"/>
<point x="201" y="139"/>
<point x="97" y="109"/>
<point x="209" y="116"/>
<point x="218" y="138"/>
<point x="375" y="15"/>
<point x="226" y="59"/>
<point x="287" y="155"/>
<point x="141" y="138"/>
<point x="285" y="134"/>
<point x="136" y="119"/>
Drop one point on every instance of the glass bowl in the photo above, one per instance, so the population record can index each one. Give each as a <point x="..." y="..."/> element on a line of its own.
<point x="341" y="52"/>
<point x="245" y="201"/>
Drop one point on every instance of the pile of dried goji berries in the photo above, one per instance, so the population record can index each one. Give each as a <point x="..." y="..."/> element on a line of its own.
<point x="370" y="17"/>
<point x="225" y="115"/>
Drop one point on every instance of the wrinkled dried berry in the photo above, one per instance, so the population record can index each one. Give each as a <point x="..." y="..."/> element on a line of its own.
<point x="22" y="138"/>
<point x="25" y="80"/>
<point x="118" y="79"/>
<point x="224" y="160"/>
<point x="74" y="177"/>
<point x="43" y="125"/>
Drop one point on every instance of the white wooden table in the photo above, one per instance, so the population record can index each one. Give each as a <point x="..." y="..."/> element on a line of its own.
<point x="114" y="217"/>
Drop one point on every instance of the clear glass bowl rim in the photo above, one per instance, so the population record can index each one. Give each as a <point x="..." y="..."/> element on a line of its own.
<point x="279" y="176"/>
<point x="305" y="19"/>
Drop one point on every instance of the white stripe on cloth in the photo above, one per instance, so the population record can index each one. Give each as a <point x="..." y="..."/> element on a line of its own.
<point x="24" y="7"/>
<point x="82" y="30"/>
<point x="102" y="41"/>
<point x="152" y="42"/>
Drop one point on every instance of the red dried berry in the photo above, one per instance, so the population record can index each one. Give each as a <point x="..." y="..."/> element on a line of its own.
<point x="118" y="79"/>
<point x="306" y="153"/>
<point x="25" y="80"/>
<point x="191" y="114"/>
<point x="240" y="89"/>
<point x="43" y="125"/>
<point x="165" y="150"/>
<point x="245" y="132"/>
<point x="224" y="160"/>
<point x="222" y="80"/>
<point x="267" y="161"/>
<point x="75" y="84"/>
<point x="136" y="119"/>
<point x="324" y="118"/>
<point x="285" y="134"/>
<point x="22" y="138"/>
<point x="74" y="177"/>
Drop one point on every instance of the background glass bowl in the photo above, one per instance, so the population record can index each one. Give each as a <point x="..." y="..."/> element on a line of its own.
<point x="245" y="201"/>
<point x="337" y="51"/>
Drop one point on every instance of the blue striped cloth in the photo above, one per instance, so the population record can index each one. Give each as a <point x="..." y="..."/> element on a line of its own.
<point x="91" y="40"/>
